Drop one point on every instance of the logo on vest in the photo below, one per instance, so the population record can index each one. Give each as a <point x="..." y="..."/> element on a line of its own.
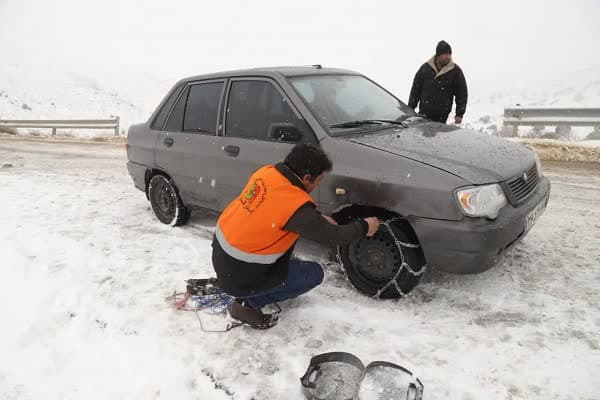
<point x="252" y="198"/>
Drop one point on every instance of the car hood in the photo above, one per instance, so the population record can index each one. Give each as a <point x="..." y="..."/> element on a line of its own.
<point x="476" y="157"/>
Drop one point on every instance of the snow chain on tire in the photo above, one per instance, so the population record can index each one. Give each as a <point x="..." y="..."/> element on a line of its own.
<point x="399" y="244"/>
<point x="404" y="265"/>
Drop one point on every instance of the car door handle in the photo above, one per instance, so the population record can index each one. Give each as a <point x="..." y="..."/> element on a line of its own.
<point x="168" y="141"/>
<point x="232" y="150"/>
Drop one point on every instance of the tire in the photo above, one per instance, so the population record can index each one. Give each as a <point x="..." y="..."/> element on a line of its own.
<point x="372" y="264"/>
<point x="166" y="203"/>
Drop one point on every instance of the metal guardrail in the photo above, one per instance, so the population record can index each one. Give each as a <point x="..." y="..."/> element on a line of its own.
<point x="54" y="124"/>
<point x="559" y="117"/>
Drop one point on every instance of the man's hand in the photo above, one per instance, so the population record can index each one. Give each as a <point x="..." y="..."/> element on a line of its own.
<point x="372" y="221"/>
<point x="329" y="219"/>
<point x="373" y="225"/>
<point x="457" y="120"/>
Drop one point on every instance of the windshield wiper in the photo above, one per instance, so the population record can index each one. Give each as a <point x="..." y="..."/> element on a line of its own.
<point x="361" y="122"/>
<point x="392" y="121"/>
<point x="407" y="117"/>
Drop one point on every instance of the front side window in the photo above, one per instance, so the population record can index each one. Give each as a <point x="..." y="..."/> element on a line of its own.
<point x="256" y="109"/>
<point x="202" y="108"/>
<point x="339" y="99"/>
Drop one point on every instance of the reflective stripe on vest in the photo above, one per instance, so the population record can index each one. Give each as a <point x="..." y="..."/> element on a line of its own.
<point x="242" y="255"/>
<point x="251" y="228"/>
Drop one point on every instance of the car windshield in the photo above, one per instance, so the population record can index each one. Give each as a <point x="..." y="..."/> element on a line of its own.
<point x="349" y="102"/>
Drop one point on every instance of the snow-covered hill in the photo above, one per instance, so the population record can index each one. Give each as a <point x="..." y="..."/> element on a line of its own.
<point x="44" y="92"/>
<point x="578" y="89"/>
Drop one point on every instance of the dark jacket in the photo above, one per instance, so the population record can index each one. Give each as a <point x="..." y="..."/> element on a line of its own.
<point x="435" y="91"/>
<point x="240" y="278"/>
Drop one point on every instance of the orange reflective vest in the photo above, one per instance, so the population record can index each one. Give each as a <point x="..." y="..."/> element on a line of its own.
<point x="250" y="229"/>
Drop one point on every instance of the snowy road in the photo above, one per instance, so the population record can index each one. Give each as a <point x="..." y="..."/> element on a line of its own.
<point x="85" y="267"/>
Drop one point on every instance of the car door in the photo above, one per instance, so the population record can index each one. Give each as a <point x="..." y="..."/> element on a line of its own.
<point x="260" y="127"/>
<point x="187" y="147"/>
<point x="142" y="138"/>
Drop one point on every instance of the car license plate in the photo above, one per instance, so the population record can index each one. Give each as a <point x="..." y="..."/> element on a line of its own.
<point x="533" y="216"/>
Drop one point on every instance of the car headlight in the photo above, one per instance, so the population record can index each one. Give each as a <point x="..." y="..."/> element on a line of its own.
<point x="538" y="165"/>
<point x="482" y="201"/>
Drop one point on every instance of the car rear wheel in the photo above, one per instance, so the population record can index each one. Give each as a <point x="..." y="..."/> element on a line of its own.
<point x="166" y="203"/>
<point x="388" y="265"/>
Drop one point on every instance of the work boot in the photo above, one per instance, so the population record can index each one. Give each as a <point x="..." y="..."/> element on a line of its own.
<point x="250" y="316"/>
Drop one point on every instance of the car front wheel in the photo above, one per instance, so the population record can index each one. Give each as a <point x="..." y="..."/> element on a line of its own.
<point x="165" y="201"/>
<point x="388" y="265"/>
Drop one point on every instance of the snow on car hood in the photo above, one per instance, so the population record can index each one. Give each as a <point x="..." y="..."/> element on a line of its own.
<point x="476" y="157"/>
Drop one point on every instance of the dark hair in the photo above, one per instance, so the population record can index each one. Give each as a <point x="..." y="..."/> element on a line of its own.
<point x="305" y="159"/>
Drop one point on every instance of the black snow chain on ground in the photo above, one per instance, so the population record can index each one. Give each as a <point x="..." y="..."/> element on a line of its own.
<point x="230" y="325"/>
<point x="399" y="244"/>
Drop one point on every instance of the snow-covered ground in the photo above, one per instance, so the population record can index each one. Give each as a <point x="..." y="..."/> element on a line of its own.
<point x="584" y="143"/>
<point x="558" y="150"/>
<point x="85" y="267"/>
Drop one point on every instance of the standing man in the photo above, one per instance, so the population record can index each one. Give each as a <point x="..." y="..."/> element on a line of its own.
<point x="256" y="234"/>
<point x="436" y="84"/>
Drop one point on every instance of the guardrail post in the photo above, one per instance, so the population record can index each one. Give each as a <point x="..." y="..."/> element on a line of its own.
<point x="117" y="126"/>
<point x="53" y="131"/>
<point x="516" y="130"/>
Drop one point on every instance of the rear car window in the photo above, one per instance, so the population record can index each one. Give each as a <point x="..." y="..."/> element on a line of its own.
<point x="175" y="122"/>
<point x="161" y="117"/>
<point x="252" y="108"/>
<point x="202" y="108"/>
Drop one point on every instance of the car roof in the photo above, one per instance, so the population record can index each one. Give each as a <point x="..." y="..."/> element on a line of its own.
<point x="274" y="71"/>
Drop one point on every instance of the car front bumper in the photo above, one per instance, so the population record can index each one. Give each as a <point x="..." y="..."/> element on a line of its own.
<point x="474" y="245"/>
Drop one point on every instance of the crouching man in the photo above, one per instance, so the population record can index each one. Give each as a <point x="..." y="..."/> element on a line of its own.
<point x="256" y="234"/>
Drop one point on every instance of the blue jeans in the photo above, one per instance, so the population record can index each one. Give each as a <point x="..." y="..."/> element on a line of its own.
<point x="303" y="276"/>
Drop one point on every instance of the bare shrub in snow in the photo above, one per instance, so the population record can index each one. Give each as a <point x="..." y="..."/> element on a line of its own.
<point x="507" y="131"/>
<point x="552" y="136"/>
<point x="594" y="135"/>
<point x="535" y="132"/>
<point x="6" y="129"/>
<point x="563" y="131"/>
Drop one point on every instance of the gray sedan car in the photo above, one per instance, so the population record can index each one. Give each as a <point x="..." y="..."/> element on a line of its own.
<point x="451" y="198"/>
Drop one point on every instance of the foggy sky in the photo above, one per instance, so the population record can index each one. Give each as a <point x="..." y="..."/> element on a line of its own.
<point x="499" y="45"/>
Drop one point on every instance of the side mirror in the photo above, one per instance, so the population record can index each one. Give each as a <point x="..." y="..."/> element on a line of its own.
<point x="285" y="132"/>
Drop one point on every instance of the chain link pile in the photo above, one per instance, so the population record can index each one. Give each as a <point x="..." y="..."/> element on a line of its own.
<point x="214" y="303"/>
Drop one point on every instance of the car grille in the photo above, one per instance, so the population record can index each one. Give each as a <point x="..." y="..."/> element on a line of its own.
<point x="521" y="186"/>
